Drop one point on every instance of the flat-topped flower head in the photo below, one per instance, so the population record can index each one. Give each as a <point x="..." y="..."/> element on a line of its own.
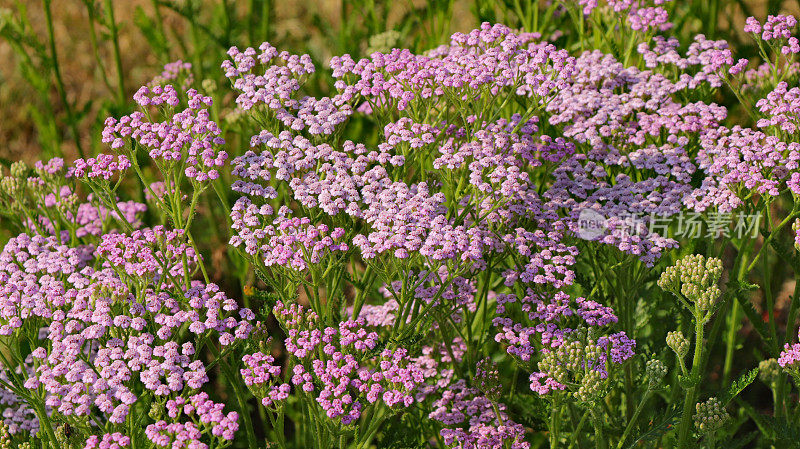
<point x="187" y="139"/>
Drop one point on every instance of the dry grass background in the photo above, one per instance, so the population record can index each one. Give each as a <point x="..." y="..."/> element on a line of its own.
<point x="291" y="26"/>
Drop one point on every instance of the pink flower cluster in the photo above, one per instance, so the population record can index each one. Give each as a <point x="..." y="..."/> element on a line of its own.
<point x="114" y="440"/>
<point x="187" y="139"/>
<point x="103" y="166"/>
<point x="473" y="421"/>
<point x="205" y="417"/>
<point x="147" y="253"/>
<point x="292" y="242"/>
<point x="329" y="364"/>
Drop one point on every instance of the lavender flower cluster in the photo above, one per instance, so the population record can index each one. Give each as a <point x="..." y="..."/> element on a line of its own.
<point x="435" y="275"/>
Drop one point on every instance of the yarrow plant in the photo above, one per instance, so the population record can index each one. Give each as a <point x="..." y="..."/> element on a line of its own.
<point x="480" y="245"/>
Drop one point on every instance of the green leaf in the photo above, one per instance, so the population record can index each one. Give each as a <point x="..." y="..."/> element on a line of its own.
<point x="753" y="315"/>
<point x="738" y="442"/>
<point x="786" y="434"/>
<point x="739" y="385"/>
<point x="658" y="427"/>
<point x="150" y="31"/>
<point x="787" y="253"/>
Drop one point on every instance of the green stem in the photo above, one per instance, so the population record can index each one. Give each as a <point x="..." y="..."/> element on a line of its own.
<point x="634" y="418"/>
<point x="90" y="8"/>
<point x="554" y="422"/>
<point x="691" y="394"/>
<point x="48" y="427"/>
<point x="62" y="92"/>
<point x="112" y="27"/>
<point x="600" y="441"/>
<point x="244" y="412"/>
<point x="576" y="433"/>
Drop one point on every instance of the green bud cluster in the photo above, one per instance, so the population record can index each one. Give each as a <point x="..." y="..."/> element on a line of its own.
<point x="694" y="277"/>
<point x="678" y="343"/>
<point x="10" y="186"/>
<point x="655" y="371"/>
<point x="5" y="436"/>
<point x="710" y="416"/>
<point x="769" y="371"/>
<point x="591" y="387"/>
<point x="551" y="365"/>
<point x="19" y="170"/>
<point x="68" y="203"/>
<point x="156" y="411"/>
<point x="209" y="85"/>
<point x="383" y="42"/>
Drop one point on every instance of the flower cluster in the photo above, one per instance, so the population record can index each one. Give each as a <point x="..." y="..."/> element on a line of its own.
<point x="103" y="166"/>
<point x="150" y="253"/>
<point x="206" y="417"/>
<point x="187" y="140"/>
<point x="694" y="278"/>
<point x="102" y="348"/>
<point x="386" y="233"/>
<point x="473" y="421"/>
<point x="711" y="416"/>
<point x="291" y="242"/>
<point x="330" y="364"/>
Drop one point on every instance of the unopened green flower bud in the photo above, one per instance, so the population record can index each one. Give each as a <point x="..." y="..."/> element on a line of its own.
<point x="572" y="355"/>
<point x="678" y="343"/>
<point x="156" y="410"/>
<point x="10" y="186"/>
<point x="695" y="277"/>
<point x="25" y="445"/>
<point x="769" y="371"/>
<point x="710" y="416"/>
<point x="707" y="299"/>
<point x="591" y="386"/>
<point x="209" y="85"/>
<point x="383" y="42"/>
<point x="5" y="436"/>
<point x="19" y="169"/>
<point x="655" y="370"/>
<point x="68" y="203"/>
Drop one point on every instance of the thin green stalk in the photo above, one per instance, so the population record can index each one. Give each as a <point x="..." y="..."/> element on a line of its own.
<point x="266" y="19"/>
<point x="555" y="420"/>
<point x="600" y="440"/>
<point x="62" y="92"/>
<point x="95" y="48"/>
<point x="112" y="27"/>
<point x="733" y="318"/>
<point x="691" y="394"/>
<point x="44" y="419"/>
<point x="160" y="26"/>
<point x="634" y="418"/>
<point x="713" y="19"/>
<point x="237" y="390"/>
<point x="577" y="431"/>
